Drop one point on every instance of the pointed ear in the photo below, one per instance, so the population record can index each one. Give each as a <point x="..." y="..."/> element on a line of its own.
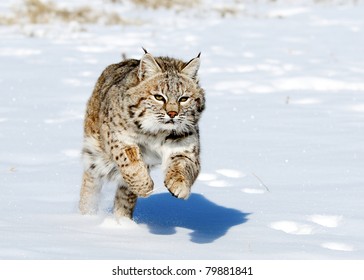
<point x="192" y="67"/>
<point x="148" y="67"/>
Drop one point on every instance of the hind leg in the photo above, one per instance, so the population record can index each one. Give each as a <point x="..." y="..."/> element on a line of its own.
<point x="89" y="196"/>
<point x="124" y="202"/>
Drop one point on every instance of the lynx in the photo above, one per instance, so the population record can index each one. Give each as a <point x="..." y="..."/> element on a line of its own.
<point x="142" y="113"/>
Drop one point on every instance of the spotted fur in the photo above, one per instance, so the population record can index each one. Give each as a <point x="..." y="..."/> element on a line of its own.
<point x="142" y="113"/>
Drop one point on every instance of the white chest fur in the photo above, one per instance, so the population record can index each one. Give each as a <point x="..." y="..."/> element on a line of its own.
<point x="151" y="151"/>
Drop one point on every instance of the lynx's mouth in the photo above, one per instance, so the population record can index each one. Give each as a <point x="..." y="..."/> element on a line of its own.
<point x="173" y="124"/>
<point x="162" y="123"/>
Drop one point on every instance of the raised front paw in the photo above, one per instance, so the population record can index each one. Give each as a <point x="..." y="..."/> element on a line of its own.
<point x="177" y="186"/>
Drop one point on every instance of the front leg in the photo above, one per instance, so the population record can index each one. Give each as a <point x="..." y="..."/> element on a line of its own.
<point x="181" y="172"/>
<point x="134" y="171"/>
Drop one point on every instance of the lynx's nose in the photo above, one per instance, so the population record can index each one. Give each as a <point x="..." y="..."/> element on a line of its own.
<point x="172" y="114"/>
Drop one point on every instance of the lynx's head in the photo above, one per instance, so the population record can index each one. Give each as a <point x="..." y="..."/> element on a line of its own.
<point x="169" y="96"/>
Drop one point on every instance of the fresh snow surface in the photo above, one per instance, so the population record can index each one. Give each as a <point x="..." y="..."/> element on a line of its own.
<point x="282" y="136"/>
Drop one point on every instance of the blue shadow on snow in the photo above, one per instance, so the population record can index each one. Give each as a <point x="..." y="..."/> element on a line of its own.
<point x="162" y="213"/>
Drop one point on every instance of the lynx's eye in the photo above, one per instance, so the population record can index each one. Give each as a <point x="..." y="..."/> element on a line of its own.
<point x="159" y="97"/>
<point x="183" y="99"/>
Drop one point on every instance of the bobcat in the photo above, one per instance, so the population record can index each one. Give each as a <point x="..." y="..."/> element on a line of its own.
<point x="142" y="113"/>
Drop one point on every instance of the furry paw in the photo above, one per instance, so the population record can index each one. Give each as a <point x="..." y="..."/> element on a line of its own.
<point x="137" y="177"/>
<point x="143" y="189"/>
<point x="178" y="187"/>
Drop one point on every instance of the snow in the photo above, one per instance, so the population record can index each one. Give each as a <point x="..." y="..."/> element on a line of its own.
<point x="282" y="136"/>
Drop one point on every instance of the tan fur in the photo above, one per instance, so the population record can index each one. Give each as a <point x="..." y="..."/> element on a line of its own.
<point x="141" y="113"/>
<point x="132" y="154"/>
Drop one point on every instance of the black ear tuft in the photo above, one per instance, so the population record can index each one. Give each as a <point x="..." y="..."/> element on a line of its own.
<point x="145" y="51"/>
